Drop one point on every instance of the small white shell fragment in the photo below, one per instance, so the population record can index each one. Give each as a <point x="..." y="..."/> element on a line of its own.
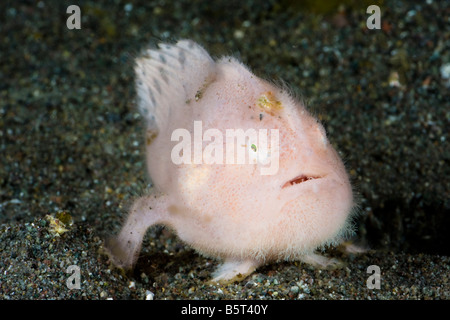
<point x="149" y="295"/>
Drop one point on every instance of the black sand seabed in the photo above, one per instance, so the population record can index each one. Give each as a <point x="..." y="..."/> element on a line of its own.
<point x="71" y="140"/>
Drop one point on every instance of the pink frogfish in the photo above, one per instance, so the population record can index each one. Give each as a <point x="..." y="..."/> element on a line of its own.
<point x="241" y="170"/>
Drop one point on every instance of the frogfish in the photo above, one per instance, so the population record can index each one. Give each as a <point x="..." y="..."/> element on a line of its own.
<point x="241" y="171"/>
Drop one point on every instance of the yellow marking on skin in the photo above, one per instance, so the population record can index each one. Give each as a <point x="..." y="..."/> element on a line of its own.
<point x="174" y="210"/>
<point x="196" y="177"/>
<point x="268" y="103"/>
<point x="150" y="136"/>
<point x="201" y="91"/>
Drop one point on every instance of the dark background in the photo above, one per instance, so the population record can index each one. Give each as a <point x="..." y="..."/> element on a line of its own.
<point x="71" y="139"/>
